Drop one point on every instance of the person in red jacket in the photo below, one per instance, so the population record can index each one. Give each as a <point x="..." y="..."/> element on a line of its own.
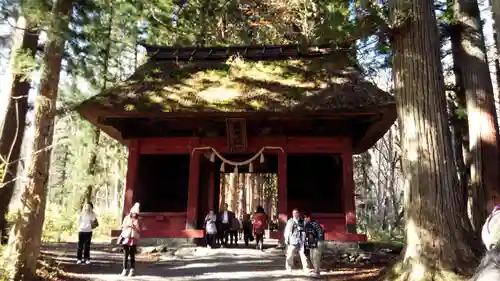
<point x="259" y="222"/>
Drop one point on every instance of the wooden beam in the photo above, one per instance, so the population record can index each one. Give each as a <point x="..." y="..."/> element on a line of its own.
<point x="185" y="145"/>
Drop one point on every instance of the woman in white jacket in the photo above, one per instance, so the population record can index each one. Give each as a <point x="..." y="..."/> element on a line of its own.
<point x="86" y="223"/>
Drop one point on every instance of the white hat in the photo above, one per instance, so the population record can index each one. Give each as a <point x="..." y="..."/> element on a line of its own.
<point x="135" y="209"/>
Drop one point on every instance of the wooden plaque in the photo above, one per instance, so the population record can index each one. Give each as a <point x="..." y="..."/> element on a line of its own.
<point x="236" y="134"/>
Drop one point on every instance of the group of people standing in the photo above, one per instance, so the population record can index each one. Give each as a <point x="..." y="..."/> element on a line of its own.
<point x="304" y="237"/>
<point x="225" y="227"/>
<point x="131" y="229"/>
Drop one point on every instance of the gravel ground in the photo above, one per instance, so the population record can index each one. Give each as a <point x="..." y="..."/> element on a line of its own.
<point x="199" y="263"/>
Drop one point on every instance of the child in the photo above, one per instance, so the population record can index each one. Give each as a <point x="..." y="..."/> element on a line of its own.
<point x="210" y="229"/>
<point x="86" y="223"/>
<point x="128" y="239"/>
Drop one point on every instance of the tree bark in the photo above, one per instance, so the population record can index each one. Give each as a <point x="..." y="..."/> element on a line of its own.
<point x="233" y="199"/>
<point x="495" y="11"/>
<point x="25" y="43"/>
<point x="255" y="192"/>
<point x="241" y="194"/>
<point x="222" y="193"/>
<point x="24" y="240"/>
<point x="458" y="123"/>
<point x="437" y="233"/>
<point x="91" y="171"/>
<point x="482" y="117"/>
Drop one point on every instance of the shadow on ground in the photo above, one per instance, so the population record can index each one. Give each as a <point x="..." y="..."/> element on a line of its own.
<point x="236" y="264"/>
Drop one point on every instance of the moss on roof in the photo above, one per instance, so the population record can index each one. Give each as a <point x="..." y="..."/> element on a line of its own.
<point x="237" y="85"/>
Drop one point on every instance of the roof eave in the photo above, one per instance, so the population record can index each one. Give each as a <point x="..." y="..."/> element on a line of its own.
<point x="93" y="118"/>
<point x="377" y="130"/>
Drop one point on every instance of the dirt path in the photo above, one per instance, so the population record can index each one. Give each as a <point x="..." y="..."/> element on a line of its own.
<point x="194" y="264"/>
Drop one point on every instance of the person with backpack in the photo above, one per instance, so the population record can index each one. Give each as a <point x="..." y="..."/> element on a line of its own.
<point x="87" y="222"/>
<point x="259" y="223"/>
<point x="314" y="241"/>
<point x="210" y="228"/>
<point x="294" y="235"/>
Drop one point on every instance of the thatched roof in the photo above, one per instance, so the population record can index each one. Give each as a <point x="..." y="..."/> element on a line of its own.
<point x="239" y="85"/>
<point x="217" y="82"/>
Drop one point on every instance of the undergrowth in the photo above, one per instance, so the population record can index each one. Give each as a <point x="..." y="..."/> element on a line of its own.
<point x="61" y="225"/>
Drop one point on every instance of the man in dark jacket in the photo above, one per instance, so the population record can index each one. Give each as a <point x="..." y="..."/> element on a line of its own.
<point x="225" y="218"/>
<point x="314" y="241"/>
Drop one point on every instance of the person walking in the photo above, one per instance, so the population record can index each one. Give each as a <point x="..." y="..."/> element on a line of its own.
<point x="131" y="229"/>
<point x="233" y="232"/>
<point x="87" y="221"/>
<point x="210" y="228"/>
<point x="225" y="219"/>
<point x="259" y="222"/>
<point x="247" y="229"/>
<point x="295" y="241"/>
<point x="315" y="242"/>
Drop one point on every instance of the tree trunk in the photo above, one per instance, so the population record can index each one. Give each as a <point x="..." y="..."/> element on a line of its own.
<point x="233" y="199"/>
<point x="222" y="193"/>
<point x="25" y="44"/>
<point x="483" y="124"/>
<point x="255" y="191"/>
<point x="458" y="123"/>
<point x="437" y="233"/>
<point x="241" y="194"/>
<point x="495" y="9"/>
<point x="91" y="171"/>
<point x="24" y="240"/>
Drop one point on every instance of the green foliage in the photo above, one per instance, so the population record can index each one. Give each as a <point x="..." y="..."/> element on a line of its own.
<point x="62" y="224"/>
<point x="379" y="235"/>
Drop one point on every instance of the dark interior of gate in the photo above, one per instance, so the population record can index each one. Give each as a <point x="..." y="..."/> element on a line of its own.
<point x="314" y="184"/>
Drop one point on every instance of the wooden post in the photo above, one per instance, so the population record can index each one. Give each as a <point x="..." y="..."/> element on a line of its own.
<point x="193" y="190"/>
<point x="132" y="165"/>
<point x="348" y="192"/>
<point x="282" y="194"/>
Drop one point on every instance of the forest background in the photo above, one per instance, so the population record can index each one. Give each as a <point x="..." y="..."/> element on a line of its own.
<point x="95" y="44"/>
<point x="377" y="172"/>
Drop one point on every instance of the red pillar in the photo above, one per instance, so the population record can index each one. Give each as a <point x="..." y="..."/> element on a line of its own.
<point x="132" y="164"/>
<point x="193" y="190"/>
<point x="282" y="193"/>
<point x="348" y="192"/>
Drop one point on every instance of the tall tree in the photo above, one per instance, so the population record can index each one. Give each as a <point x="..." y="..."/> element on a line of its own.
<point x="22" y="61"/>
<point x="436" y="230"/>
<point x="91" y="171"/>
<point x="476" y="82"/>
<point x="24" y="240"/>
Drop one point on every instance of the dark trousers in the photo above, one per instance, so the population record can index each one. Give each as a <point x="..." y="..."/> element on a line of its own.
<point x="129" y="251"/>
<point x="224" y="233"/>
<point x="259" y="240"/>
<point x="84" y="240"/>
<point x="233" y="236"/>
<point x="210" y="239"/>
<point x="247" y="235"/>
